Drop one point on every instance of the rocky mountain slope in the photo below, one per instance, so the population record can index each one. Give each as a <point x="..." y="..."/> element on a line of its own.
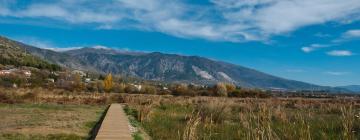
<point x="164" y="67"/>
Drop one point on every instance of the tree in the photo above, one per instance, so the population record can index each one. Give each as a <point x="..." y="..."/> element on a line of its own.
<point x="100" y="86"/>
<point x="130" y="89"/>
<point x="119" y="88"/>
<point x="230" y="87"/>
<point x="220" y="89"/>
<point x="78" y="85"/>
<point x="108" y="83"/>
<point x="149" y="89"/>
<point x="179" y="89"/>
<point x="101" y="77"/>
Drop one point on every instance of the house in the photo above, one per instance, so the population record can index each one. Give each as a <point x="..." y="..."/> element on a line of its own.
<point x="6" y="72"/>
<point x="27" y="73"/>
<point x="50" y="80"/>
<point x="277" y="90"/>
<point x="55" y="73"/>
<point x="138" y="87"/>
<point x="81" y="73"/>
<point x="87" y="80"/>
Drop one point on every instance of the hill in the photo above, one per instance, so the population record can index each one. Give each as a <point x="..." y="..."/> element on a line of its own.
<point x="163" y="67"/>
<point x="177" y="68"/>
<point x="353" y="88"/>
<point x="14" y="53"/>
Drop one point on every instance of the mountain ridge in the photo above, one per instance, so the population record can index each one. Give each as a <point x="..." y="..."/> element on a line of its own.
<point x="353" y="88"/>
<point x="14" y="53"/>
<point x="166" y="67"/>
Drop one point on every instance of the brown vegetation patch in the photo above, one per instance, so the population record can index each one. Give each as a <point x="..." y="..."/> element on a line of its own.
<point x="45" y="119"/>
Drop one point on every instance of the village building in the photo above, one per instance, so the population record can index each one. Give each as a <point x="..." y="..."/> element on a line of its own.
<point x="138" y="87"/>
<point x="87" y="80"/>
<point x="50" y="80"/>
<point x="27" y="73"/>
<point x="7" y="72"/>
<point x="4" y="72"/>
<point x="81" y="73"/>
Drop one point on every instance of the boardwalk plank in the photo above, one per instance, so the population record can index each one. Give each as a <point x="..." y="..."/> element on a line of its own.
<point x="115" y="125"/>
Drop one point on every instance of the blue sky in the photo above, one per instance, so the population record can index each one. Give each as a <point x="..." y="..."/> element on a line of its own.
<point x="315" y="41"/>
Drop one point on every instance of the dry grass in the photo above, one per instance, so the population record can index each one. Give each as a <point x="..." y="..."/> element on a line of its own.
<point x="169" y="117"/>
<point x="58" y="96"/>
<point x="260" y="119"/>
<point x="191" y="127"/>
<point x="25" y="121"/>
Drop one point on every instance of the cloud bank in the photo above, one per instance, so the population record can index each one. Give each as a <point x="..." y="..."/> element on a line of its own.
<point x="313" y="47"/>
<point x="336" y="73"/>
<point x="346" y="36"/>
<point x="223" y="20"/>
<point x="340" y="53"/>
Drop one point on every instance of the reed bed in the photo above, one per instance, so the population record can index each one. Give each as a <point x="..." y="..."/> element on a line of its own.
<point x="218" y="118"/>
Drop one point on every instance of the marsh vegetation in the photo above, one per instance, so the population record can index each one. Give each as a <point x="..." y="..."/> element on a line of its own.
<point x="52" y="114"/>
<point x="215" y="118"/>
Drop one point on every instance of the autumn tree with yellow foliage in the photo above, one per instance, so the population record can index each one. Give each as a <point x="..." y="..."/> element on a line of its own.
<point x="108" y="83"/>
<point x="78" y="84"/>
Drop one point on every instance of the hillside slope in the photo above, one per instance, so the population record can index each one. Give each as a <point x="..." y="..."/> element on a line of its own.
<point x="165" y="67"/>
<point x="14" y="53"/>
<point x="353" y="88"/>
<point x="172" y="68"/>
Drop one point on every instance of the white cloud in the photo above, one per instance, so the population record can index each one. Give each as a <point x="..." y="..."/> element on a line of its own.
<point x="44" y="44"/>
<point x="279" y="16"/>
<point x="225" y="20"/>
<point x="63" y="49"/>
<point x="313" y="47"/>
<point x="65" y="12"/>
<point x="336" y="73"/>
<point x="307" y="49"/>
<point x="101" y="47"/>
<point x="352" y="33"/>
<point x="346" y="36"/>
<point x="340" y="53"/>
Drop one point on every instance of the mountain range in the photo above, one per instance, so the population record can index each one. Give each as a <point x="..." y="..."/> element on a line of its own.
<point x="163" y="67"/>
<point x="353" y="88"/>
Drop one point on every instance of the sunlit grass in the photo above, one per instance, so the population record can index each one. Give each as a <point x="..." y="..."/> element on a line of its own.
<point x="48" y="121"/>
<point x="231" y="119"/>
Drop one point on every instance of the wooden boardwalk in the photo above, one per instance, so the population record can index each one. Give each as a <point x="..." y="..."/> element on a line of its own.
<point x="115" y="125"/>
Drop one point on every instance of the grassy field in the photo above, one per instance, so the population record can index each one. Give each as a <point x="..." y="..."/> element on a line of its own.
<point x="214" y="118"/>
<point x="40" y="114"/>
<point x="48" y="121"/>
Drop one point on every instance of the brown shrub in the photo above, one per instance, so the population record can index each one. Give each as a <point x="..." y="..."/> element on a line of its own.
<point x="220" y="90"/>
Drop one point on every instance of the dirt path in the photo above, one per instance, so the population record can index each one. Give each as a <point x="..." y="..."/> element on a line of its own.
<point x="115" y="125"/>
